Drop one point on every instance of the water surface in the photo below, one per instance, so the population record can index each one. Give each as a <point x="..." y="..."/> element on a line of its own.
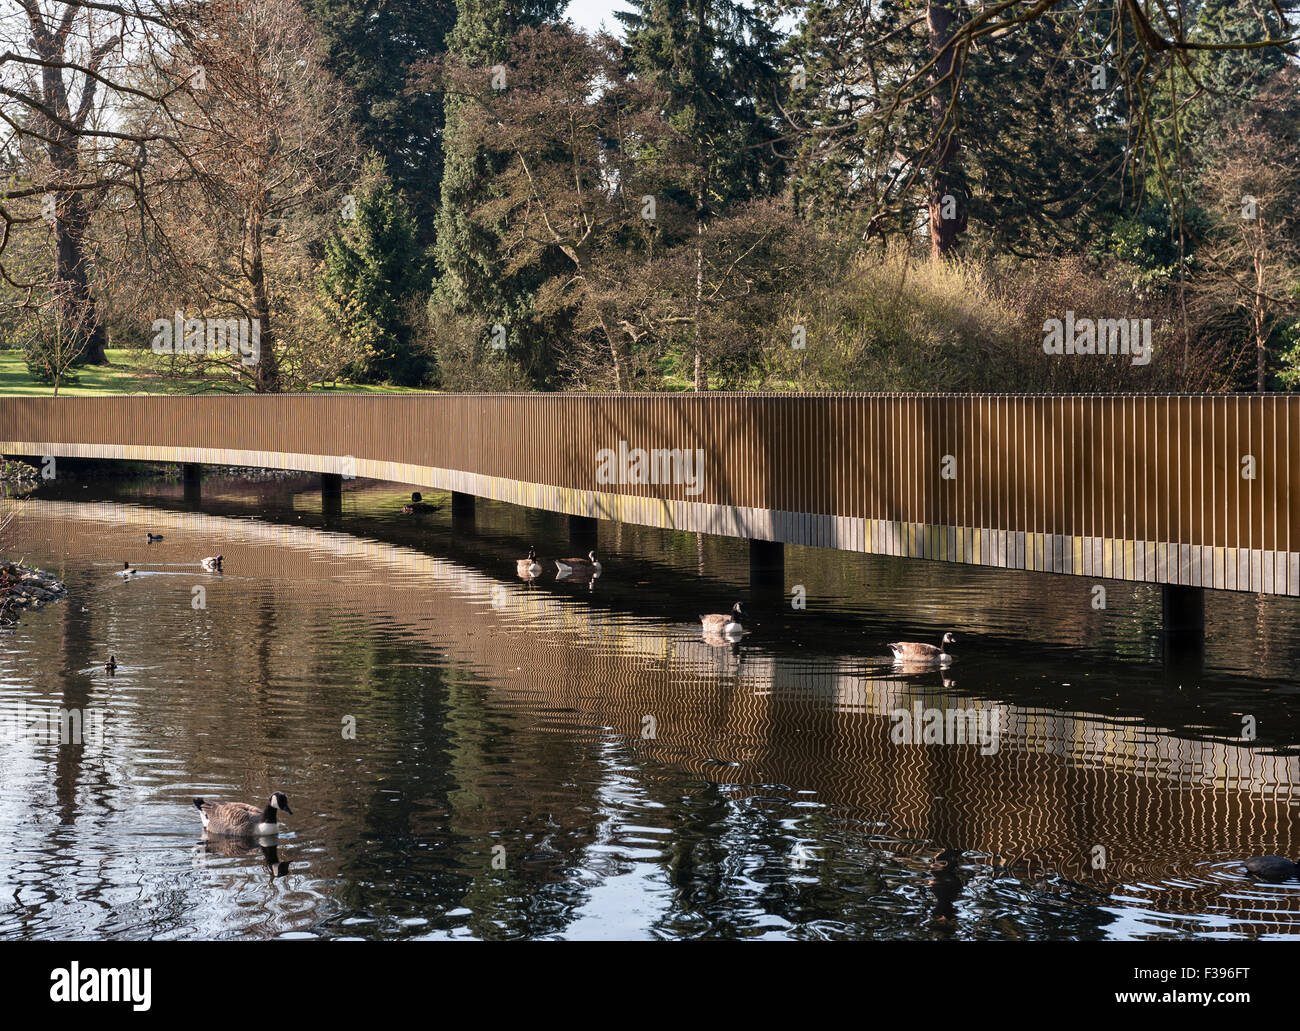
<point x="471" y="756"/>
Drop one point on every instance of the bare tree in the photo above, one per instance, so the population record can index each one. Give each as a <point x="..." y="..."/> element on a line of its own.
<point x="247" y="168"/>
<point x="206" y="136"/>
<point x="1251" y="184"/>
<point x="62" y="67"/>
<point x="58" y="333"/>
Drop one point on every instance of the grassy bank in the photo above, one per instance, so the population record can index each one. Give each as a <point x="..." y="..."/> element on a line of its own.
<point x="129" y="372"/>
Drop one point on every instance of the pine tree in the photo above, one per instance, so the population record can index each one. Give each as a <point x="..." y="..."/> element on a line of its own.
<point x="372" y="270"/>
<point x="372" y="45"/>
<point x="716" y="60"/>
<point x="473" y="280"/>
<point x="1234" y="77"/>
<point x="1035" y="173"/>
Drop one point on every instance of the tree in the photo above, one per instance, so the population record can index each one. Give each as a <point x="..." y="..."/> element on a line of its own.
<point x="58" y="63"/>
<point x="372" y="48"/>
<point x="913" y="103"/>
<point x="1251" y="180"/>
<point x="58" y="335"/>
<point x="1229" y="78"/>
<point x="715" y="61"/>
<point x="472" y="281"/>
<point x="582" y="156"/>
<point x="947" y="193"/>
<point x="372" y="271"/>
<point x="251" y="158"/>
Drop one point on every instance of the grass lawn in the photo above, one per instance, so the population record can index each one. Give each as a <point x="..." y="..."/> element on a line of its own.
<point x="131" y="372"/>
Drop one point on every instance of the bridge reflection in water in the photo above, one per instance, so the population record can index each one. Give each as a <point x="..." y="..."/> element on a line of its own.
<point x="1098" y="800"/>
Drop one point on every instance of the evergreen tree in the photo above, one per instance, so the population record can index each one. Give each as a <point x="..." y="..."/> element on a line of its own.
<point x="474" y="280"/>
<point x="1034" y="174"/>
<point x="373" y="270"/>
<point x="716" y="61"/>
<point x="372" y="45"/>
<point x="1045" y="172"/>
<point x="1234" y="77"/>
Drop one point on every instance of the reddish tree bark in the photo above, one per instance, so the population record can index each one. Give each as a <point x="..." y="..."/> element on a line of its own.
<point x="946" y="197"/>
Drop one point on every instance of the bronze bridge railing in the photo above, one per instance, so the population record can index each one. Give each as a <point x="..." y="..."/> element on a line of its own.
<point x="1194" y="490"/>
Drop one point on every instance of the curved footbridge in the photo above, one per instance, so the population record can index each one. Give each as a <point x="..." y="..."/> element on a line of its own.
<point x="1191" y="492"/>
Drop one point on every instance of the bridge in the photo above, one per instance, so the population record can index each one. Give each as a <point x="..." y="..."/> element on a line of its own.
<point x="1190" y="492"/>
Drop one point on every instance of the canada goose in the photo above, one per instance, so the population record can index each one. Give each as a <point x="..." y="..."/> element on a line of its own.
<point x="151" y="537"/>
<point x="242" y="818"/>
<point x="911" y="651"/>
<point x="579" y="565"/>
<point x="726" y="625"/>
<point x="1272" y="868"/>
<point x="212" y="563"/>
<point x="529" y="567"/>
<point x="111" y="664"/>
<point x="126" y="572"/>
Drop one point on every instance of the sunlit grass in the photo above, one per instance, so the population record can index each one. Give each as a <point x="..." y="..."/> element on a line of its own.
<point x="132" y="372"/>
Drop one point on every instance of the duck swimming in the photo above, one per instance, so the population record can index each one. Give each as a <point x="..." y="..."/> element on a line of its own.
<point x="725" y="624"/>
<point x="417" y="504"/>
<point x="590" y="564"/>
<point x="529" y="567"/>
<point x="212" y="564"/>
<point x="241" y="818"/>
<point x="1272" y="868"/>
<point x="913" y="651"/>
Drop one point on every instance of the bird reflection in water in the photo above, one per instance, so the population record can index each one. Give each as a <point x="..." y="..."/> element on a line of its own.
<point x="716" y="640"/>
<point x="239" y="848"/>
<point x="945" y="884"/>
<point x="579" y="574"/>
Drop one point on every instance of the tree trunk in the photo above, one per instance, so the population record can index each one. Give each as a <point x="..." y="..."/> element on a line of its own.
<point x="701" y="376"/>
<point x="71" y="276"/>
<point x="1259" y="319"/>
<point x="946" y="201"/>
<point x="615" y="352"/>
<point x="701" y="195"/>
<point x="71" y="219"/>
<point x="266" y="375"/>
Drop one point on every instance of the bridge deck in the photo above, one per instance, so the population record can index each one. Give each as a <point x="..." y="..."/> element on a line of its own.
<point x="1193" y="490"/>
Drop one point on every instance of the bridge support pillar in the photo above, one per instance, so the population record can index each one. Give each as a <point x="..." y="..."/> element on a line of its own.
<point x="767" y="572"/>
<point x="462" y="505"/>
<point x="1182" y="629"/>
<point x="583" y="533"/>
<point x="331" y="494"/>
<point x="192" y="482"/>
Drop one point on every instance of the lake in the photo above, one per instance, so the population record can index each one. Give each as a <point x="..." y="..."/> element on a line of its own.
<point x="469" y="755"/>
